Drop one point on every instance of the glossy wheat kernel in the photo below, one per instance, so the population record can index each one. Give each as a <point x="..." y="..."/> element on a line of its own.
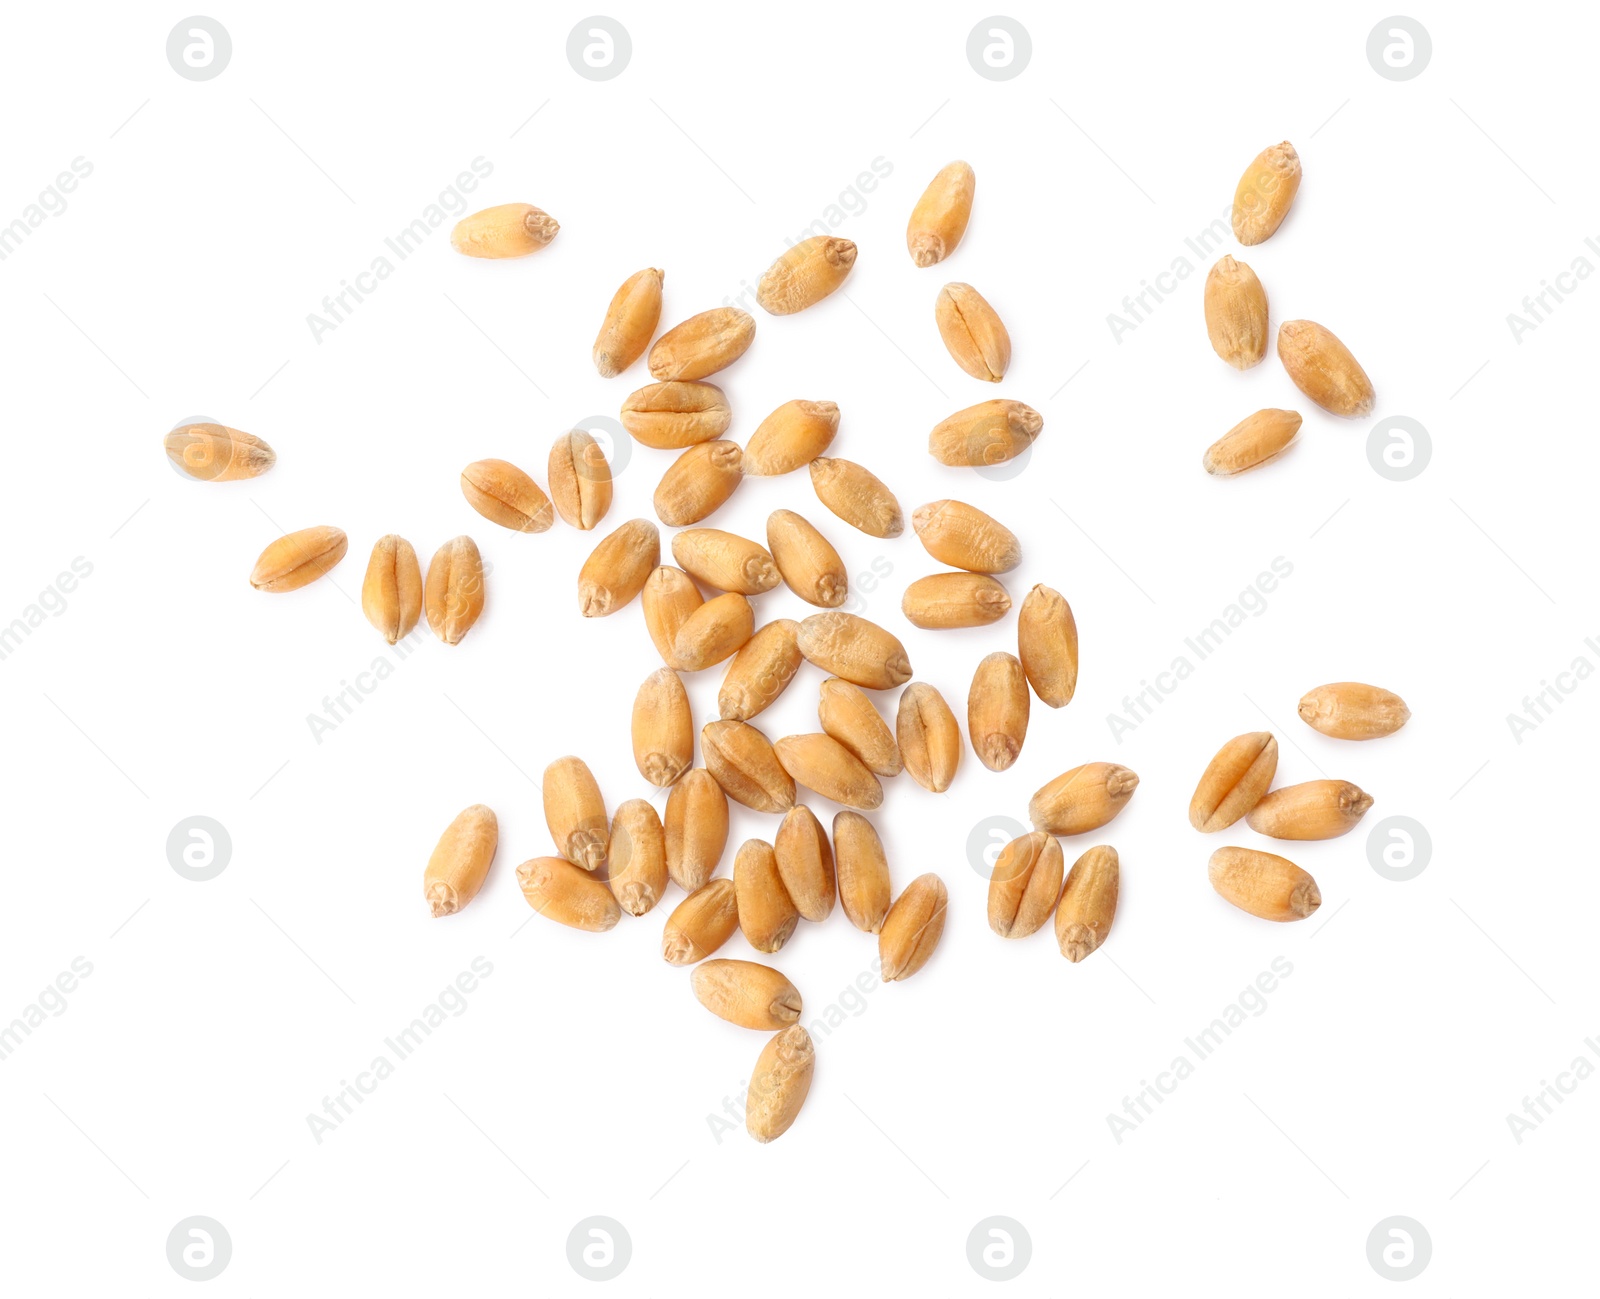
<point x="963" y="536"/>
<point x="215" y="453"/>
<point x="1264" y="884"/>
<point x="821" y="763"/>
<point x="461" y="860"/>
<point x="671" y="416"/>
<point x="663" y="728"/>
<point x="575" y="812"/>
<point x="805" y="275"/>
<point x="779" y="1085"/>
<point x="725" y="560"/>
<point x="850" y="716"/>
<point x="1024" y="885"/>
<point x="699" y="482"/>
<point x="743" y="762"/>
<point x="859" y="651"/>
<point x="805" y="863"/>
<point x="1317" y="809"/>
<point x="1322" y="368"/>
<point x="928" y="736"/>
<point x="862" y="870"/>
<point x="618" y="568"/>
<point x="559" y="891"/>
<point x="767" y="914"/>
<point x="761" y="671"/>
<point x="298" y="558"/>
<point x="703" y="344"/>
<point x="746" y="993"/>
<point x="701" y="923"/>
<point x="669" y="598"/>
<point x="972" y="332"/>
<point x="391" y="592"/>
<point x="453" y="594"/>
<point x="503" y="494"/>
<point x="636" y="866"/>
<point x="715" y="631"/>
<point x="1252" y="441"/>
<point x="1082" y="799"/>
<point x="695" y="828"/>
<point x="1047" y="644"/>
<point x="990" y="433"/>
<point x="1234" y="781"/>
<point x="1264" y="193"/>
<point x="857" y="496"/>
<point x="509" y="230"/>
<point x="630" y="322"/>
<point x="1088" y="902"/>
<point x="1350" y="710"/>
<point x="806" y="560"/>
<point x="580" y="479"/>
<point x="793" y="435"/>
<point x="1236" y="314"/>
<point x="940" y="217"/>
<point x="945" y="601"/>
<point x="997" y="710"/>
<point x="912" y="928"/>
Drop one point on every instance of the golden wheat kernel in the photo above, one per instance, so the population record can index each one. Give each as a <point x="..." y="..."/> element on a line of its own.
<point x="298" y="558"/>
<point x="461" y="860"/>
<point x="940" y="217"/>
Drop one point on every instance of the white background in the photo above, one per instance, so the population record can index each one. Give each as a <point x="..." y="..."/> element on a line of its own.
<point x="580" y="1078"/>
